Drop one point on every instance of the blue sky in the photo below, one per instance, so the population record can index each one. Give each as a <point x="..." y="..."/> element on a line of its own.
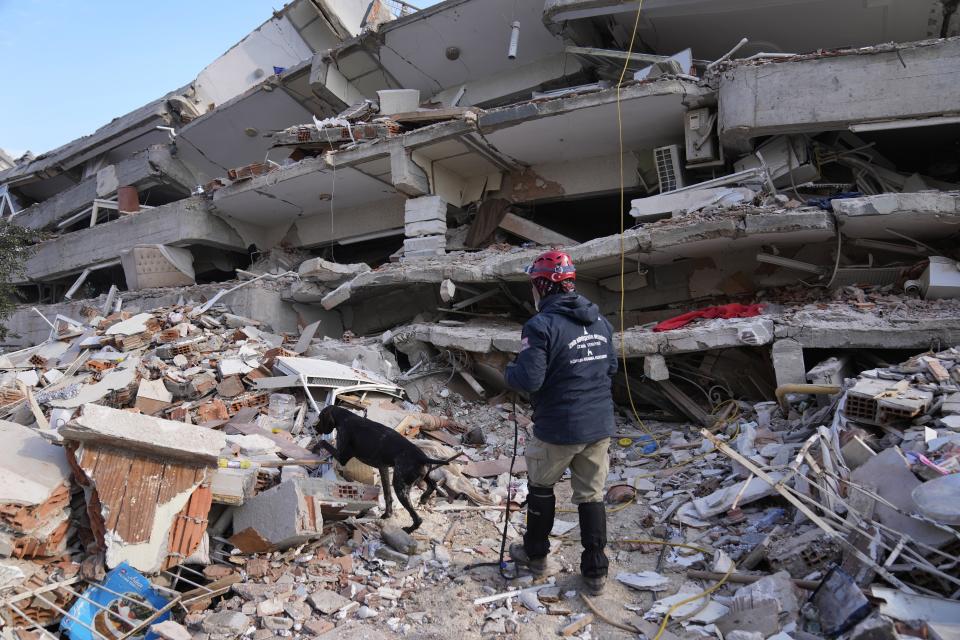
<point x="70" y="66"/>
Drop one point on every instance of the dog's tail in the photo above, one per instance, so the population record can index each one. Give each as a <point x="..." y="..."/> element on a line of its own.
<point x="434" y="462"/>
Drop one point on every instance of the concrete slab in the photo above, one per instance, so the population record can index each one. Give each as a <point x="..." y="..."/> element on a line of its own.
<point x="661" y="244"/>
<point x="123" y="136"/>
<point x="302" y="190"/>
<point x="923" y="215"/>
<point x="183" y="223"/>
<point x="149" y="168"/>
<point x="890" y="473"/>
<point x="822" y="93"/>
<point x="290" y="513"/>
<point x="32" y="469"/>
<point x="151" y="436"/>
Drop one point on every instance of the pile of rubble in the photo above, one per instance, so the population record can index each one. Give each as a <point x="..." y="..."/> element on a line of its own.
<point x="169" y="457"/>
<point x="146" y="444"/>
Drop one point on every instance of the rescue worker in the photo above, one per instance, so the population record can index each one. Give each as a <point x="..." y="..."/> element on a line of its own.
<point x="566" y="362"/>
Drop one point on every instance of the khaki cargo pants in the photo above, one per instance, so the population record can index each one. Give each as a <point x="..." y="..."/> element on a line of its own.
<point x="588" y="464"/>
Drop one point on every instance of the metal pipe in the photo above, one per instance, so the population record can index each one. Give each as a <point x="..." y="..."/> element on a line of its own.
<point x="514" y="40"/>
<point x="728" y="54"/>
<point x="815" y="389"/>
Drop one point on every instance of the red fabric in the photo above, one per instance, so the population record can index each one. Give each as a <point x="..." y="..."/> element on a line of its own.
<point x="732" y="310"/>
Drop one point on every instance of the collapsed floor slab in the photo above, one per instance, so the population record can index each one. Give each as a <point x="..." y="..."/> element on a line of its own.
<point x="150" y="168"/>
<point x="923" y="216"/>
<point x="822" y="92"/>
<point x="836" y="326"/>
<point x="600" y="258"/>
<point x="183" y="223"/>
<point x="44" y="176"/>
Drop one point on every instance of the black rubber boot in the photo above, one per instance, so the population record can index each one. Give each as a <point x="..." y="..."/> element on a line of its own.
<point x="541" y="507"/>
<point x="593" y="536"/>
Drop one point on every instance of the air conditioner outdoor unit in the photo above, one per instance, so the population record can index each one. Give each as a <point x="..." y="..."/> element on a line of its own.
<point x="668" y="162"/>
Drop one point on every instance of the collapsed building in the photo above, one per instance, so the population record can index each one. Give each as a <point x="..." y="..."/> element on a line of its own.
<point x="755" y="196"/>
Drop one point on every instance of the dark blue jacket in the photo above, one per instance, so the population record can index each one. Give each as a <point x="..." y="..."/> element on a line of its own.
<point x="566" y="363"/>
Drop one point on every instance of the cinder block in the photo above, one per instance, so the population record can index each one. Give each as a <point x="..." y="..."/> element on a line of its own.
<point x="424" y="208"/>
<point x="280" y="517"/>
<point x="293" y="512"/>
<point x="425" y="228"/>
<point x="425" y="246"/>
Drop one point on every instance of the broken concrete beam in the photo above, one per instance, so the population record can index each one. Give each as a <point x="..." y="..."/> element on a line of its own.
<point x="788" y="362"/>
<point x="331" y="272"/>
<point x="426" y="247"/>
<point x="832" y="371"/>
<point x="292" y="512"/>
<point x="529" y="230"/>
<point x="833" y="331"/>
<point x="407" y="176"/>
<point x="129" y="431"/>
<point x="682" y="202"/>
<point x="658" y="244"/>
<point x="886" y="204"/>
<point x="476" y="338"/>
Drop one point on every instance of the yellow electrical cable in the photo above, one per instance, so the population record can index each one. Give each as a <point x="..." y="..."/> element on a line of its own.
<point x="623" y="249"/>
<point x="664" y="543"/>
<point x="704" y="594"/>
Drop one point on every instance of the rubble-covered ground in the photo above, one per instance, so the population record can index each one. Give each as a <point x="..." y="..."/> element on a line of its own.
<point x="172" y="454"/>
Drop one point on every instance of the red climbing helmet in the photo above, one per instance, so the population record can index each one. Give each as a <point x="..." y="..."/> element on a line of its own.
<point x="555" y="266"/>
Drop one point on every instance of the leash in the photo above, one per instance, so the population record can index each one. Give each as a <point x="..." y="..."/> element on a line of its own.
<point x="506" y="519"/>
<point x="502" y="564"/>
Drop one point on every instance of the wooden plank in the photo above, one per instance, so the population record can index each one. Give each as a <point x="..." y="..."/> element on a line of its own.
<point x="529" y="230"/>
<point x="287" y="448"/>
<point x="685" y="404"/>
<point x="490" y="468"/>
<point x="442" y="436"/>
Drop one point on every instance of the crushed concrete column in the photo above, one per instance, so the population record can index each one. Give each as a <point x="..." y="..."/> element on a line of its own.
<point x="407" y="176"/>
<point x="425" y="226"/>
<point x="831" y="371"/>
<point x="788" y="362"/>
<point x="655" y="368"/>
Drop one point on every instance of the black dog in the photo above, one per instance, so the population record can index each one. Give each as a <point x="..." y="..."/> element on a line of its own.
<point x="381" y="447"/>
